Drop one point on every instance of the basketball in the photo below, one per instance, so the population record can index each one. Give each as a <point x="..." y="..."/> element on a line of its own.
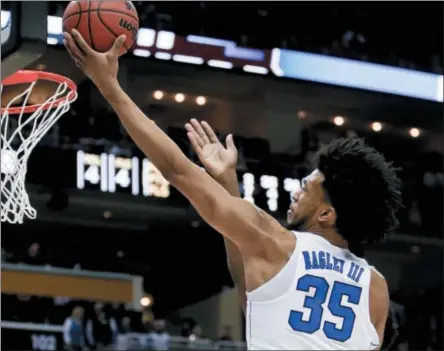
<point x="101" y="22"/>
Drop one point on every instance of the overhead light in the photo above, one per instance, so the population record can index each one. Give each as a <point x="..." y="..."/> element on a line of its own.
<point x="201" y="100"/>
<point x="179" y="97"/>
<point x="376" y="126"/>
<point x="414" y="132"/>
<point x="302" y="114"/>
<point x="338" y="120"/>
<point x="146" y="301"/>
<point x="158" y="95"/>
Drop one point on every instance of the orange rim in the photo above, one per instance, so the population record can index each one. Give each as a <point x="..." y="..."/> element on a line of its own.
<point x="26" y="76"/>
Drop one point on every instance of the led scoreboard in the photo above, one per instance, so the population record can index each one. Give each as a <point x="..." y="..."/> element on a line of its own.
<point x="111" y="174"/>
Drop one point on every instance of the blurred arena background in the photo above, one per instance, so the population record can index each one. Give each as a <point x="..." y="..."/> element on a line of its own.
<point x="118" y="249"/>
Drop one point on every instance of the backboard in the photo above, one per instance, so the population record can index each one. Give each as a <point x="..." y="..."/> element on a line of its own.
<point x="23" y="34"/>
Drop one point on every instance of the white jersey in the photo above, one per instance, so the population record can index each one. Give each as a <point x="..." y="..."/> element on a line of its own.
<point x="318" y="301"/>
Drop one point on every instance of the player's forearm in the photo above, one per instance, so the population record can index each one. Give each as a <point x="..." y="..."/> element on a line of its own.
<point x="234" y="258"/>
<point x="229" y="181"/>
<point x="155" y="144"/>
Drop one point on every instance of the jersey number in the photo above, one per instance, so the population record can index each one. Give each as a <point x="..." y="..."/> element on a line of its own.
<point x="316" y="303"/>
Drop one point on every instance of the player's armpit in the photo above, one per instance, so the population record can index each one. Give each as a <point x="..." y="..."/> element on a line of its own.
<point x="379" y="303"/>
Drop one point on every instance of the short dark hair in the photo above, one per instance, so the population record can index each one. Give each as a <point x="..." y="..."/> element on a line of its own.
<point x="362" y="187"/>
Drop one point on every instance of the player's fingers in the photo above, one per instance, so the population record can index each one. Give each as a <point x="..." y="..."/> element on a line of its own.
<point x="210" y="132"/>
<point x="83" y="45"/>
<point x="194" y="143"/>
<point x="198" y="128"/>
<point x="76" y="53"/>
<point x="73" y="50"/>
<point x="79" y="64"/>
<point x="230" y="142"/>
<point x="190" y="129"/>
<point x="118" y="43"/>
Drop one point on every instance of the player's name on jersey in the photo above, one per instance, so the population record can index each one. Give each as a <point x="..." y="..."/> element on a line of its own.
<point x="321" y="260"/>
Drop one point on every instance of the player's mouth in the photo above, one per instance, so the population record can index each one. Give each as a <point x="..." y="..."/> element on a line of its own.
<point x="291" y="208"/>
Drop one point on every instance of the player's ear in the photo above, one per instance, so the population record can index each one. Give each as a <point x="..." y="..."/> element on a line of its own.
<point x="327" y="215"/>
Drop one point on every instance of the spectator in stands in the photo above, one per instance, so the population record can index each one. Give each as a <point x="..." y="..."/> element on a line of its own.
<point x="127" y="341"/>
<point x="147" y="320"/>
<point x="196" y="340"/>
<point x="73" y="334"/>
<point x="196" y="333"/>
<point x="101" y="329"/>
<point x="34" y="255"/>
<point x="226" y="334"/>
<point x="4" y="255"/>
<point x="159" y="339"/>
<point x="126" y="326"/>
<point x="185" y="330"/>
<point x="430" y="193"/>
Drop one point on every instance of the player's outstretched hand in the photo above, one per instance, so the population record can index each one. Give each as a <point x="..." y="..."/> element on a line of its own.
<point x="101" y="68"/>
<point x="216" y="158"/>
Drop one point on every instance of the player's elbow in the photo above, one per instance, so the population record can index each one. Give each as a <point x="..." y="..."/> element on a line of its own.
<point x="178" y="171"/>
<point x="213" y="209"/>
<point x="213" y="203"/>
<point x="169" y="174"/>
<point x="178" y="179"/>
<point x="172" y="174"/>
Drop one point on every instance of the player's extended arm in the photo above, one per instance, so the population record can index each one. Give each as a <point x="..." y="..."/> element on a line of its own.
<point x="250" y="229"/>
<point x="234" y="258"/>
<point x="234" y="218"/>
<point x="221" y="161"/>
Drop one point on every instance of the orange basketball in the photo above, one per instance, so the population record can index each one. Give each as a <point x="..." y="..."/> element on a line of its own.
<point x="101" y="22"/>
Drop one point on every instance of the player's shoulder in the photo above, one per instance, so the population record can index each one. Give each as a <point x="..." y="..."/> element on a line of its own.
<point x="379" y="291"/>
<point x="308" y="236"/>
<point x="271" y="226"/>
<point x="377" y="276"/>
<point x="378" y="281"/>
<point x="316" y="241"/>
<point x="273" y="237"/>
<point x="379" y="297"/>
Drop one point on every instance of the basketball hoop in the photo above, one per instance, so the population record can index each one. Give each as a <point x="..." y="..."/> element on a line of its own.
<point x="18" y="139"/>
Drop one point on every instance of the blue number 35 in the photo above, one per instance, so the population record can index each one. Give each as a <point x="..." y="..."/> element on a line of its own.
<point x="315" y="305"/>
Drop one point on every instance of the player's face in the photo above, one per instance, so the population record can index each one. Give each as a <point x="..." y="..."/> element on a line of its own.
<point x="308" y="203"/>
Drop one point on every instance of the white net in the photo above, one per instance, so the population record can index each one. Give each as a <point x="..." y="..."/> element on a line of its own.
<point x="20" y="133"/>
